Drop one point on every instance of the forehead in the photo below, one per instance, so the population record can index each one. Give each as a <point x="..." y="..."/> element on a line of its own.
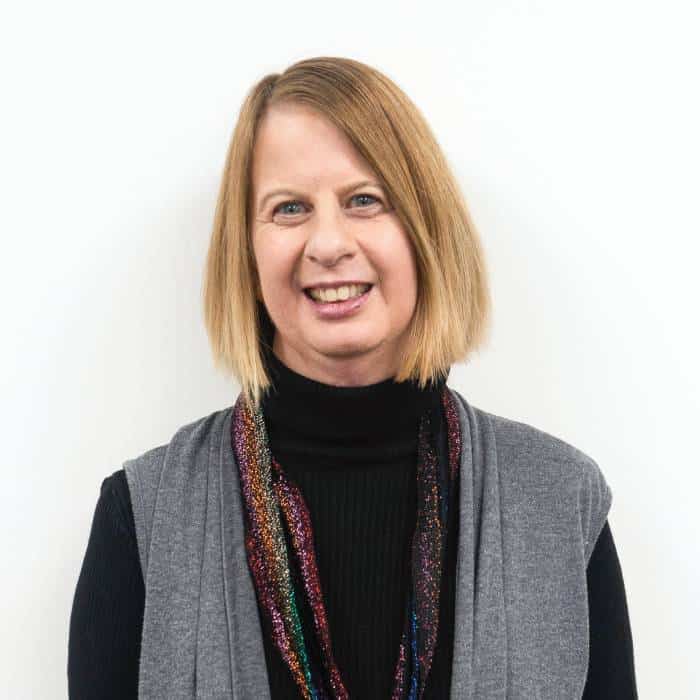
<point x="297" y="146"/>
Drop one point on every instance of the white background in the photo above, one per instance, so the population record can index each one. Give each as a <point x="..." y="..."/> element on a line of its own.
<point x="573" y="129"/>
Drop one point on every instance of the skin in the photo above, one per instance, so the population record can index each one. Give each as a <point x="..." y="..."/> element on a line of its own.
<point x="328" y="229"/>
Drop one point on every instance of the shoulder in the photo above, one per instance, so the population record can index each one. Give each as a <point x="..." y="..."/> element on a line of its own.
<point x="179" y="460"/>
<point x="519" y="443"/>
<point x="186" y="440"/>
<point x="543" y="467"/>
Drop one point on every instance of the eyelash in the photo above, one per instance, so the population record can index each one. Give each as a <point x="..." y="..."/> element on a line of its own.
<point x="296" y="201"/>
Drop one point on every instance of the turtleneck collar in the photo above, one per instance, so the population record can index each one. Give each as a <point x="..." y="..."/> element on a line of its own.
<point x="374" y="421"/>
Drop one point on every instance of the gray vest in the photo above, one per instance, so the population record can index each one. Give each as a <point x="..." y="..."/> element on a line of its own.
<point x="531" y="509"/>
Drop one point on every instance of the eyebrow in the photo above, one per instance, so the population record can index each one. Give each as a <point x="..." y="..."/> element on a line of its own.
<point x="294" y="193"/>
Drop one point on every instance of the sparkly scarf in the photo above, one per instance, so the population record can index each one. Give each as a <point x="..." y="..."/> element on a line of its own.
<point x="273" y="502"/>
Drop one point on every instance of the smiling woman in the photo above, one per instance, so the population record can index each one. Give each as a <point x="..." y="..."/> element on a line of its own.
<point x="350" y="526"/>
<point x="334" y="177"/>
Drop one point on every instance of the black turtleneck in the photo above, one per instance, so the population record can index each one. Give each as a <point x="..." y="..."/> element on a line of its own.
<point x="352" y="451"/>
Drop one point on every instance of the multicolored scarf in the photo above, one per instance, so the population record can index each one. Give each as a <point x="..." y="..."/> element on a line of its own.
<point x="269" y="496"/>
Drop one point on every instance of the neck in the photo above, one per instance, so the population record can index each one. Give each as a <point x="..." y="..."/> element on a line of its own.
<point x="376" y="421"/>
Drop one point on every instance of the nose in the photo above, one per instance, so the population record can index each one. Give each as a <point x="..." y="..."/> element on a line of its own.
<point x="330" y="238"/>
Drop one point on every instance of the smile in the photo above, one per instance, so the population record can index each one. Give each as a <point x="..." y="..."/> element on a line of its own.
<point x="335" y="294"/>
<point x="357" y="296"/>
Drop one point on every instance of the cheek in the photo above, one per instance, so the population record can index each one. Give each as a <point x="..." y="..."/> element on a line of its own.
<point x="398" y="268"/>
<point x="275" y="265"/>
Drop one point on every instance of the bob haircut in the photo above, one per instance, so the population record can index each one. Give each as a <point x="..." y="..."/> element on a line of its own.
<point x="453" y="305"/>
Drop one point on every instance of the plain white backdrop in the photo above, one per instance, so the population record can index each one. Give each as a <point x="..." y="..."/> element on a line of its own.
<point x="573" y="130"/>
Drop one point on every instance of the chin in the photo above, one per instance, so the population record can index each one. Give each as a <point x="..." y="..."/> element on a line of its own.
<point x="350" y="347"/>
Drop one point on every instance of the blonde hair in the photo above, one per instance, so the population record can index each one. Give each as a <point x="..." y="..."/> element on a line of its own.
<point x="453" y="303"/>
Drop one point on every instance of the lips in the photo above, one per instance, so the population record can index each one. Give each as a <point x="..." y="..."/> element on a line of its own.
<point x="355" y="290"/>
<point x="338" y="309"/>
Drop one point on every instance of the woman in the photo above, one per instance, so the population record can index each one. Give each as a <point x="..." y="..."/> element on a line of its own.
<point x="350" y="527"/>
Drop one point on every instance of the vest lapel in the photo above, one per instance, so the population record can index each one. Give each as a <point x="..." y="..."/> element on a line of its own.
<point x="176" y="657"/>
<point x="480" y="643"/>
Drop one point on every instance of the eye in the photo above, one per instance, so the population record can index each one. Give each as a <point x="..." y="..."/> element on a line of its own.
<point x="282" y="206"/>
<point x="364" y="195"/>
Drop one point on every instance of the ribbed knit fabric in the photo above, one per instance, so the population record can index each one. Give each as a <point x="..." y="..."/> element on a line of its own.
<point x="361" y="496"/>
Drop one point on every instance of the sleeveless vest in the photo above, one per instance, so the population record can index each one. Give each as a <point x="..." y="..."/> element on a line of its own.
<point x="531" y="509"/>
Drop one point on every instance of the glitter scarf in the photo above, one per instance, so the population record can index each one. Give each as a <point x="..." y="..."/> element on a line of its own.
<point x="273" y="502"/>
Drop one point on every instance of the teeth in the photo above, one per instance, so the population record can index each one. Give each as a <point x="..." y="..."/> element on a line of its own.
<point x="339" y="293"/>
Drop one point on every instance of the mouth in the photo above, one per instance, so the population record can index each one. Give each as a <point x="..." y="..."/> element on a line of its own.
<point x="329" y="307"/>
<point x="337" y="295"/>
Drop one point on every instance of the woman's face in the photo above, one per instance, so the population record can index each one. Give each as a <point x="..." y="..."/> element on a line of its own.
<point x="332" y="223"/>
